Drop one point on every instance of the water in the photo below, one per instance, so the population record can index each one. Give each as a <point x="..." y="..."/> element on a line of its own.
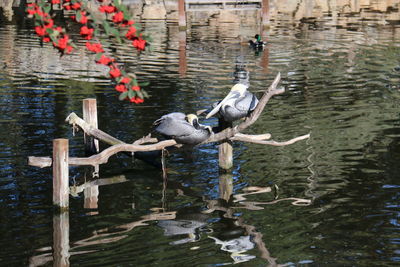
<point x="329" y="201"/>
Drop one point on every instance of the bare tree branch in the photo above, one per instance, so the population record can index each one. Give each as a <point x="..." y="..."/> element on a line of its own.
<point x="249" y="139"/>
<point x="233" y="134"/>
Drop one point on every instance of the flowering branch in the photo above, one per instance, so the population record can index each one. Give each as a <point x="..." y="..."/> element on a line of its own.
<point x="119" y="25"/>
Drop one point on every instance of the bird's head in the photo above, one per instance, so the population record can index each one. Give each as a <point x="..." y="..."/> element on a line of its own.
<point x="193" y="120"/>
<point x="257" y="37"/>
<point x="239" y="88"/>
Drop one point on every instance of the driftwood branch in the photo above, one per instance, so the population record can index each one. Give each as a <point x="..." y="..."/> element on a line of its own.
<point x="233" y="134"/>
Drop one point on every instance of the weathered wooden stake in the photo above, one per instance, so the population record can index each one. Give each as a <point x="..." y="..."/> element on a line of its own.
<point x="90" y="116"/>
<point x="265" y="13"/>
<point x="60" y="173"/>
<point x="225" y="149"/>
<point x="182" y="14"/>
<point x="61" y="239"/>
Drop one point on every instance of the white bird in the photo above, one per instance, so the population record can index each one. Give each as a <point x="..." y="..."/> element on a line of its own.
<point x="236" y="105"/>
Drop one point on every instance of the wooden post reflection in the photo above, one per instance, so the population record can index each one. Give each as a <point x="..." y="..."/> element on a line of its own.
<point x="91" y="194"/>
<point x="225" y="186"/>
<point x="182" y="14"/>
<point x="265" y="13"/>
<point x="61" y="239"/>
<point x="182" y="53"/>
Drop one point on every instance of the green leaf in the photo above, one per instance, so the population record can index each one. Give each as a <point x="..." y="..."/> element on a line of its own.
<point x="78" y="16"/>
<point x="50" y="31"/>
<point x="46" y="8"/>
<point x="140" y="94"/>
<point x="135" y="82"/>
<point x="53" y="38"/>
<point x="144" y="84"/>
<point x="117" y="4"/>
<point x="123" y="95"/>
<point x="107" y="27"/>
<point x="131" y="93"/>
<point x="98" y="56"/>
<point x="145" y="94"/>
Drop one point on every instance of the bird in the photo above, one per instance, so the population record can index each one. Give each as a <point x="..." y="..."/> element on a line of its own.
<point x="184" y="129"/>
<point x="236" y="105"/>
<point x="257" y="43"/>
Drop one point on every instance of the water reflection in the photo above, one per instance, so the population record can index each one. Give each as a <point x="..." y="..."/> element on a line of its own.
<point x="341" y="69"/>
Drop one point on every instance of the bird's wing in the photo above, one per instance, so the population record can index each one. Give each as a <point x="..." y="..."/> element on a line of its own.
<point x="173" y="127"/>
<point x="247" y="103"/>
<point x="173" y="115"/>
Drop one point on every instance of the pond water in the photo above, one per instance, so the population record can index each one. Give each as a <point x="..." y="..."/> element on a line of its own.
<point x="332" y="200"/>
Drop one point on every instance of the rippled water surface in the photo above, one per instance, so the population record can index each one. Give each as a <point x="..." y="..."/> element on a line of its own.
<point x="332" y="200"/>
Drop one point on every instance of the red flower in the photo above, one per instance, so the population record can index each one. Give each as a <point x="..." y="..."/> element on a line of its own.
<point x="41" y="31"/>
<point x="49" y="23"/>
<point x="118" y="17"/>
<point x="104" y="60"/>
<point x="121" y="88"/>
<point x="136" y="88"/>
<point x="68" y="49"/>
<point x="76" y="6"/>
<point x="131" y="34"/>
<point x="96" y="47"/>
<point x="114" y="72"/>
<point x="32" y="11"/>
<point x="84" y="19"/>
<point x="107" y="9"/>
<point x="86" y="32"/>
<point x="128" y="23"/>
<point x="125" y="80"/>
<point x="46" y="39"/>
<point x="62" y="42"/>
<point x="140" y="44"/>
<point x="136" y="100"/>
<point x="67" y="7"/>
<point x="55" y="2"/>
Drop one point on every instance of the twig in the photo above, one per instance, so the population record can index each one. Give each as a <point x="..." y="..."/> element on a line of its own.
<point x="249" y="139"/>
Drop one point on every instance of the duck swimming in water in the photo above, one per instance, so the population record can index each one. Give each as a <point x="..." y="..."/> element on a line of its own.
<point x="184" y="129"/>
<point x="236" y="105"/>
<point x="257" y="43"/>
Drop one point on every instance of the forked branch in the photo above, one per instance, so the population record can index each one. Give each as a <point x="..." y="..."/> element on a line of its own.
<point x="233" y="134"/>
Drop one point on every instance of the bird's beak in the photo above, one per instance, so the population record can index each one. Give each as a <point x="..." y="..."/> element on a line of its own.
<point x="216" y="109"/>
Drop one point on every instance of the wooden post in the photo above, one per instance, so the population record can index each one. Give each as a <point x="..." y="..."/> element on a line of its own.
<point x="225" y="149"/>
<point x="61" y="239"/>
<point x="60" y="173"/>
<point x="265" y="13"/>
<point x="90" y="116"/>
<point x="182" y="14"/>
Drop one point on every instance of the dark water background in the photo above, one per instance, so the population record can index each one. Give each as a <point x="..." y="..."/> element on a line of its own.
<point x="342" y="85"/>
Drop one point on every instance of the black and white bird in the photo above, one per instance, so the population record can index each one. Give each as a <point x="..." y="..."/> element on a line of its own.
<point x="184" y="129"/>
<point x="236" y="105"/>
<point x="257" y="43"/>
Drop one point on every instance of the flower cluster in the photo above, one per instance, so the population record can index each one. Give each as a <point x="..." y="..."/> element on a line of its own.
<point x="127" y="85"/>
<point x="46" y="29"/>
